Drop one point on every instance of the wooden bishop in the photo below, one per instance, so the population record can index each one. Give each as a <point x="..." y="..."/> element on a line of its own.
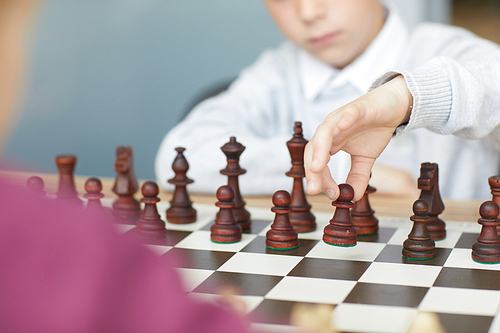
<point x="341" y="231"/>
<point x="233" y="150"/>
<point x="181" y="210"/>
<point x="282" y="235"/>
<point x="428" y="183"/>
<point x="301" y="217"/>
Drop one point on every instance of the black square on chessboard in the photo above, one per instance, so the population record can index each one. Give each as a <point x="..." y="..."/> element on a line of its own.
<point x="171" y="238"/>
<point x="381" y="236"/>
<point x="466" y="240"/>
<point x="468" y="278"/>
<point x="465" y="323"/>
<point x="256" y="226"/>
<point x="248" y="284"/>
<point x="393" y="254"/>
<point x="384" y="294"/>
<point x="271" y="311"/>
<point x="258" y="245"/>
<point x="330" y="269"/>
<point x="199" y="259"/>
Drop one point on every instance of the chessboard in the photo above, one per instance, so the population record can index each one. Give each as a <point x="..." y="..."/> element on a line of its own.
<point x="371" y="286"/>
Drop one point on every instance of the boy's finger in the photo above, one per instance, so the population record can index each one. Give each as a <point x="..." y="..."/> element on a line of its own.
<point x="359" y="175"/>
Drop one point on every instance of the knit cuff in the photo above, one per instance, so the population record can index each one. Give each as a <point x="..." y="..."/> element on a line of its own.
<point x="430" y="87"/>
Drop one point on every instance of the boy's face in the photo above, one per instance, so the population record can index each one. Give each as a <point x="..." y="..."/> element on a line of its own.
<point x="334" y="31"/>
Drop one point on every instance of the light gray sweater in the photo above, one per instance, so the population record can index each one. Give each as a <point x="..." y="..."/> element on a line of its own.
<point x="451" y="73"/>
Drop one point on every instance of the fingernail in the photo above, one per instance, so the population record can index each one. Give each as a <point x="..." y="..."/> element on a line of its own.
<point x="310" y="186"/>
<point x="330" y="193"/>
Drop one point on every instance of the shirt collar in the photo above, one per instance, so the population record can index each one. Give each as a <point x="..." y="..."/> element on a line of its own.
<point x="379" y="57"/>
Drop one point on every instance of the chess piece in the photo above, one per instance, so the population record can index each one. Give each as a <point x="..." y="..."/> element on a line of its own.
<point x="341" y="231"/>
<point x="36" y="185"/>
<point x="428" y="183"/>
<point x="301" y="217"/>
<point x="362" y="215"/>
<point x="66" y="167"/>
<point x="181" y="209"/>
<point x="487" y="248"/>
<point x="125" y="207"/>
<point x="150" y="224"/>
<point x="494" y="182"/>
<point x="282" y="235"/>
<point x="419" y="244"/>
<point x="226" y="229"/>
<point x="93" y="188"/>
<point x="233" y="150"/>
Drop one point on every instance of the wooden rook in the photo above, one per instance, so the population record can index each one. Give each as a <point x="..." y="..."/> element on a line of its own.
<point x="125" y="207"/>
<point x="428" y="183"/>
<point x="282" y="235"/>
<point x="181" y="209"/>
<point x="233" y="150"/>
<point x="301" y="217"/>
<point x="93" y="188"/>
<point x="494" y="182"/>
<point x="36" y="185"/>
<point x="150" y="224"/>
<point x="66" y="166"/>
<point x="419" y="244"/>
<point x="341" y="231"/>
<point x="226" y="229"/>
<point x="487" y="248"/>
<point x="363" y="216"/>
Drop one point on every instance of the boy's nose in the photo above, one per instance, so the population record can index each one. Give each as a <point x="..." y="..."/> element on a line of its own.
<point x="311" y="10"/>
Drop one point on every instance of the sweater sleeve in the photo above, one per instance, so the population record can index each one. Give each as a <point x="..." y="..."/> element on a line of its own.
<point x="456" y="92"/>
<point x="254" y="110"/>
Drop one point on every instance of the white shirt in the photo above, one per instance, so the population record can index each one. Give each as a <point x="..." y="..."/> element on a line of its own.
<point x="287" y="84"/>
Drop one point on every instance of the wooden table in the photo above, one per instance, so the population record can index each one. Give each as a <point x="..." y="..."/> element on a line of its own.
<point x="384" y="205"/>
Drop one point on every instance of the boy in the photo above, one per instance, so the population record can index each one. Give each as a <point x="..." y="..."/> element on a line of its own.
<point x="336" y="50"/>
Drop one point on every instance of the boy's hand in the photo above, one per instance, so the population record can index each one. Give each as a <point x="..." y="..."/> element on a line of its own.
<point x="362" y="128"/>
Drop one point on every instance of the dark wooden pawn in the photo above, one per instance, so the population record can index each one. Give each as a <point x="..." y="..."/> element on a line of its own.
<point x="233" y="150"/>
<point x="301" y="217"/>
<point x="363" y="216"/>
<point x="93" y="188"/>
<point x="419" y="244"/>
<point x="150" y="224"/>
<point x="36" y="185"/>
<point x="494" y="182"/>
<point x="181" y="209"/>
<point x="341" y="231"/>
<point x="125" y="207"/>
<point x="428" y="183"/>
<point x="282" y="235"/>
<point x="487" y="248"/>
<point x="226" y="229"/>
<point x="66" y="189"/>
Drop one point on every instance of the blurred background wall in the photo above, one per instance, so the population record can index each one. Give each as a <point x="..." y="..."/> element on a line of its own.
<point x="122" y="72"/>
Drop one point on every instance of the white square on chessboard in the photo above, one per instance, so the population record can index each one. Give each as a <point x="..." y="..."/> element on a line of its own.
<point x="256" y="263"/>
<point x="461" y="301"/>
<point x="200" y="240"/>
<point x="401" y="274"/>
<point x="192" y="278"/>
<point x="204" y="215"/>
<point x="272" y="328"/>
<point x="159" y="249"/>
<point x="461" y="258"/>
<point x="311" y="290"/>
<point x="363" y="251"/>
<point x="372" y="318"/>
<point x="251" y="301"/>
<point x="123" y="228"/>
<point x="451" y="239"/>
